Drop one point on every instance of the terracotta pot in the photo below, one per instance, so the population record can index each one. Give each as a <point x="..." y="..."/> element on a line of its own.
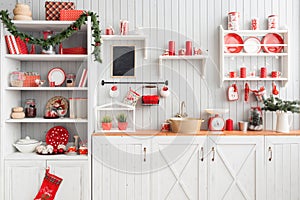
<point x="106" y="126"/>
<point x="122" y="125"/>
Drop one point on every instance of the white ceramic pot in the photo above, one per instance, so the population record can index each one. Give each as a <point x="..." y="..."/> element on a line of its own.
<point x="27" y="145"/>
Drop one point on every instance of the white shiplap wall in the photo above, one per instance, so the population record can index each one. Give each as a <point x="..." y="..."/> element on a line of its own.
<point x="181" y="20"/>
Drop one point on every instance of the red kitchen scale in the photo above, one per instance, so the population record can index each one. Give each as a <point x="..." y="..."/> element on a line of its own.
<point x="216" y="121"/>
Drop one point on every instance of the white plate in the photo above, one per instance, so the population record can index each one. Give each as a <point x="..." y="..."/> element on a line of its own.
<point x="252" y="45"/>
<point x="57" y="75"/>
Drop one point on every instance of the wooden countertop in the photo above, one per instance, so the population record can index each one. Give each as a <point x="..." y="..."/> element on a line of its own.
<point x="200" y="133"/>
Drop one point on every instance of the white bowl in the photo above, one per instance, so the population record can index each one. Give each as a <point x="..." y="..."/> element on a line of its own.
<point x="27" y="148"/>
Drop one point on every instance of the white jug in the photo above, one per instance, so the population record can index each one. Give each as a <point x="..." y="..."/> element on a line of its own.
<point x="283" y="122"/>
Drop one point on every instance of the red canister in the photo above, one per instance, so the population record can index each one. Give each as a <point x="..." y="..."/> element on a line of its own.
<point x="255" y="24"/>
<point x="243" y="72"/>
<point x="263" y="72"/>
<point x="229" y="124"/>
<point x="273" y="22"/>
<point x="233" y="21"/>
<point x="189" y="48"/>
<point x="172" y="48"/>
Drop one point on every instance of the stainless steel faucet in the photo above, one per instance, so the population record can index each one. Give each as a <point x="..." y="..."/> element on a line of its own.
<point x="182" y="109"/>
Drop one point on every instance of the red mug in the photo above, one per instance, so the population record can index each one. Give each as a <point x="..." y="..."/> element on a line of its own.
<point x="52" y="83"/>
<point x="232" y="74"/>
<point x="263" y="72"/>
<point x="243" y="72"/>
<point x="275" y="74"/>
<point x="165" y="126"/>
<point x="109" y="31"/>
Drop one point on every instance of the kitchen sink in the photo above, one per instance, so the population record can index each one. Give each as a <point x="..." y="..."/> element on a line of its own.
<point x="185" y="125"/>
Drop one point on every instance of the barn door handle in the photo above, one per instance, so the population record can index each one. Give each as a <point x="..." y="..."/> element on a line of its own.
<point x="270" y="153"/>
<point x="213" y="154"/>
<point x="202" y="154"/>
<point x="145" y="151"/>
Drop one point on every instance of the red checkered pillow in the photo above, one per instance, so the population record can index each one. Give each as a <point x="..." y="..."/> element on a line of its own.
<point x="53" y="9"/>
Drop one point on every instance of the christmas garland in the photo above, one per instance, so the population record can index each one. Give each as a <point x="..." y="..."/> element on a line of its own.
<point x="58" y="38"/>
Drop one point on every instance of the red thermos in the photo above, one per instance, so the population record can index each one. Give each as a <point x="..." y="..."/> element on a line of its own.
<point x="229" y="125"/>
<point x="171" y="48"/>
<point x="189" y="48"/>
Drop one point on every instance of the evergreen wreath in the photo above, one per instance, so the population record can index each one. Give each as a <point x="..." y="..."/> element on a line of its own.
<point x="59" y="37"/>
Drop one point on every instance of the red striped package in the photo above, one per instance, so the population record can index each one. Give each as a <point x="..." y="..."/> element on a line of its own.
<point x="15" y="45"/>
<point x="9" y="45"/>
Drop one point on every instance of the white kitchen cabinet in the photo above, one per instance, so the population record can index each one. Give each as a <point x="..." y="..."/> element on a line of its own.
<point x="282" y="167"/>
<point x="75" y="179"/>
<point x="178" y="167"/>
<point x="23" y="179"/>
<point x="120" y="168"/>
<point x="236" y="167"/>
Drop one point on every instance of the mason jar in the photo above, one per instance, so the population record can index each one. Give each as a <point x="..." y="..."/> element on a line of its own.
<point x="30" y="109"/>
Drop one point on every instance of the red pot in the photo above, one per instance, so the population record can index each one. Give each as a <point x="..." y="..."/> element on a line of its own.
<point x="106" y="126"/>
<point x="122" y="125"/>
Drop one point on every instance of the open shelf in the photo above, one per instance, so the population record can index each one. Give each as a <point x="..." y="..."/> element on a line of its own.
<point x="43" y="120"/>
<point x="44" y="57"/>
<point x="35" y="156"/>
<point x="48" y="88"/>
<point x="201" y="58"/>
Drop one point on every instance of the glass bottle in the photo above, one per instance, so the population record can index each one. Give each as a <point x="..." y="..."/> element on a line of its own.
<point x="30" y="109"/>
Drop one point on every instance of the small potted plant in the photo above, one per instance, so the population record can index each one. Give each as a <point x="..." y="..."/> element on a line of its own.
<point x="106" y="123"/>
<point x="283" y="110"/>
<point x="122" y="121"/>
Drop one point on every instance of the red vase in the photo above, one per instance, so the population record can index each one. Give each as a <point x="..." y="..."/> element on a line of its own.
<point x="122" y="125"/>
<point x="106" y="126"/>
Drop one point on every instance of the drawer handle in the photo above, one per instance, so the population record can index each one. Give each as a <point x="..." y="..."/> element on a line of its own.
<point x="202" y="154"/>
<point x="213" y="154"/>
<point x="145" y="151"/>
<point x="270" y="153"/>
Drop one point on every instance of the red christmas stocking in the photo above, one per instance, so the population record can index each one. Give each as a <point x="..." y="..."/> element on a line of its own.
<point x="49" y="187"/>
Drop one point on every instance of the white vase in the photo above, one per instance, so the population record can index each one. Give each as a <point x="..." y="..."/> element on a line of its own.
<point x="283" y="122"/>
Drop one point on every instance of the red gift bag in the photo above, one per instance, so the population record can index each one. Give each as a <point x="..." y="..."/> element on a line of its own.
<point x="49" y="187"/>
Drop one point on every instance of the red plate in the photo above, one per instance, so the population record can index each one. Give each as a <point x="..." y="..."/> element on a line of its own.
<point x="57" y="135"/>
<point x="233" y="38"/>
<point x="272" y="38"/>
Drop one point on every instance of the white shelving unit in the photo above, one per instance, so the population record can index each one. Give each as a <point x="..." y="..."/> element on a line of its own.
<point x="14" y="129"/>
<point x="127" y="38"/>
<point x="275" y="61"/>
<point x="202" y="59"/>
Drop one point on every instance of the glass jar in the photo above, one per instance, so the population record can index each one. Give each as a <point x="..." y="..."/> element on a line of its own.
<point x="16" y="79"/>
<point x="30" y="109"/>
<point x="70" y="80"/>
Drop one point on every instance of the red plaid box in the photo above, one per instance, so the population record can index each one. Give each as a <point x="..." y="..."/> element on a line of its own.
<point x="53" y="9"/>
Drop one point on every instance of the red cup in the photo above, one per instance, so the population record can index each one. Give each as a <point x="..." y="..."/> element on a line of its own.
<point x="232" y="74"/>
<point x="52" y="83"/>
<point x="165" y="126"/>
<point x="275" y="74"/>
<point x="263" y="72"/>
<point x="172" y="48"/>
<point x="109" y="31"/>
<point x="243" y="72"/>
<point x="189" y="48"/>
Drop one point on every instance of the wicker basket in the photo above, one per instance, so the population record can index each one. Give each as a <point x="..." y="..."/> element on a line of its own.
<point x="29" y="80"/>
<point x="70" y="15"/>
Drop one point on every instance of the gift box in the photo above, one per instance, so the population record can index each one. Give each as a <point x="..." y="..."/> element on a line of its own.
<point x="29" y="79"/>
<point x="70" y="15"/>
<point x="53" y="9"/>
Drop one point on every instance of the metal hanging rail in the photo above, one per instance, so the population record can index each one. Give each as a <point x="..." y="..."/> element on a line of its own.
<point x="142" y="82"/>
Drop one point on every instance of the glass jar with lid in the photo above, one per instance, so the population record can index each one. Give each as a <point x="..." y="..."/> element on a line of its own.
<point x="30" y="109"/>
<point x="16" y="79"/>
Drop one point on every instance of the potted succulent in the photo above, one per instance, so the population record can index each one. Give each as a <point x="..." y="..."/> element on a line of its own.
<point x="122" y="121"/>
<point x="283" y="109"/>
<point x="106" y="123"/>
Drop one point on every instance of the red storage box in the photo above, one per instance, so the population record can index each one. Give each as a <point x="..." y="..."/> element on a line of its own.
<point x="29" y="80"/>
<point x="70" y="15"/>
<point x="150" y="99"/>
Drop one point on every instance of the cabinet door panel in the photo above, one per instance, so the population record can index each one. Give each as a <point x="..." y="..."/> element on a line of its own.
<point x="178" y="168"/>
<point x="23" y="179"/>
<point x="283" y="167"/>
<point x="120" y="168"/>
<point x="235" y="169"/>
<point x="75" y="179"/>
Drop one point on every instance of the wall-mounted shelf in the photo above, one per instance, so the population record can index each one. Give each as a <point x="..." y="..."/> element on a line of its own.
<point x="127" y="38"/>
<point x="48" y="88"/>
<point x="43" y="57"/>
<point x="201" y="58"/>
<point x="273" y="61"/>
<point x="43" y="120"/>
